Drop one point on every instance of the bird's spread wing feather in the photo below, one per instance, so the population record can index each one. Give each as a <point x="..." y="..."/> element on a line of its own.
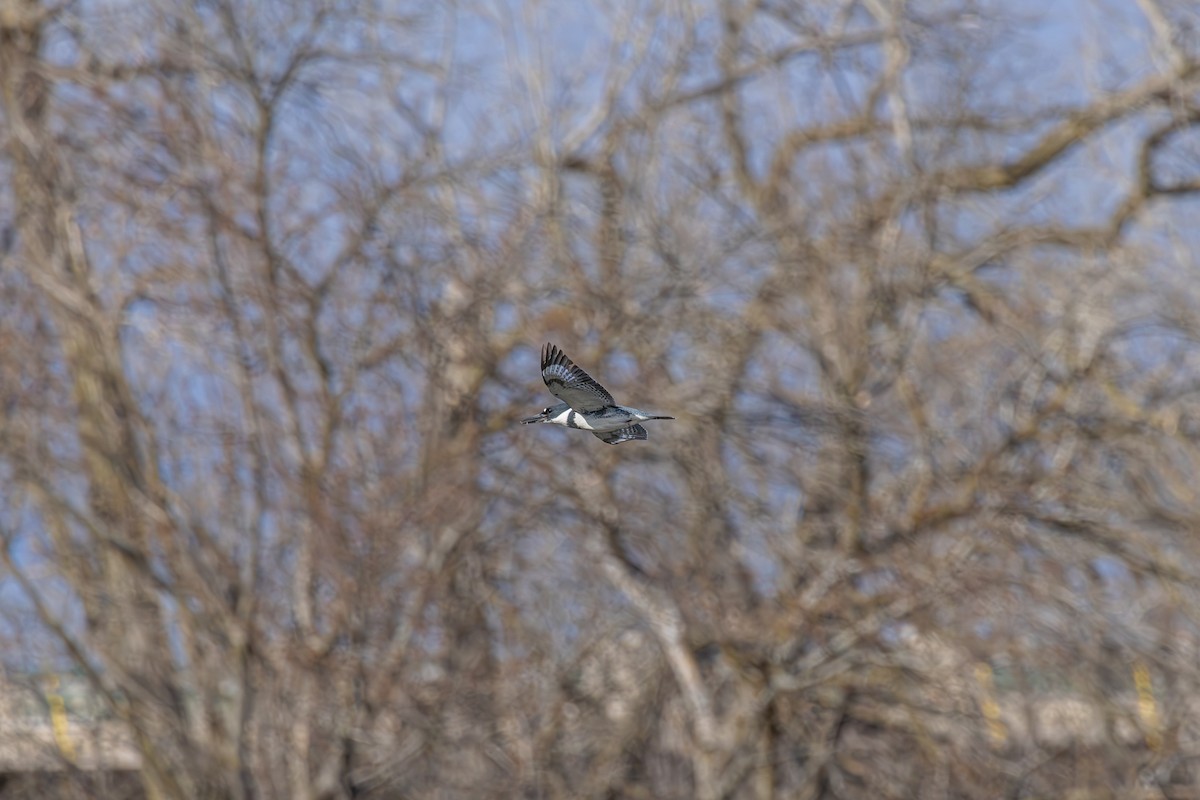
<point x="622" y="435"/>
<point x="572" y="385"/>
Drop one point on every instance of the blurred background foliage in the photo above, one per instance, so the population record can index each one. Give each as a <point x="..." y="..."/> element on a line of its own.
<point x="916" y="277"/>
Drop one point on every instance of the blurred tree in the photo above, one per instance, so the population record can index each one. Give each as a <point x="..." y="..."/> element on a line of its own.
<point x="921" y="296"/>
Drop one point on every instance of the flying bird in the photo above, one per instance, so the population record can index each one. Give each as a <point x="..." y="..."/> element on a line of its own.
<point x="586" y="405"/>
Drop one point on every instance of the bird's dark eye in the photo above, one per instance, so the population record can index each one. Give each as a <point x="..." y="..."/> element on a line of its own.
<point x="546" y="410"/>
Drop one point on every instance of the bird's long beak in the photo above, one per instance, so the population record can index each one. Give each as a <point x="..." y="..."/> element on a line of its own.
<point x="660" y="418"/>
<point x="538" y="418"/>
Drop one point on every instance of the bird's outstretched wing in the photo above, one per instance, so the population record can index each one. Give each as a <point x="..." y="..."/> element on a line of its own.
<point x="570" y="384"/>
<point x="622" y="435"/>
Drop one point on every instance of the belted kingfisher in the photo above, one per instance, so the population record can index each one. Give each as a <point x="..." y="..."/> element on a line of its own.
<point x="586" y="404"/>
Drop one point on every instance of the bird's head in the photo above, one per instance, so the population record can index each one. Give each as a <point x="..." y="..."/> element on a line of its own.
<point x="544" y="416"/>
